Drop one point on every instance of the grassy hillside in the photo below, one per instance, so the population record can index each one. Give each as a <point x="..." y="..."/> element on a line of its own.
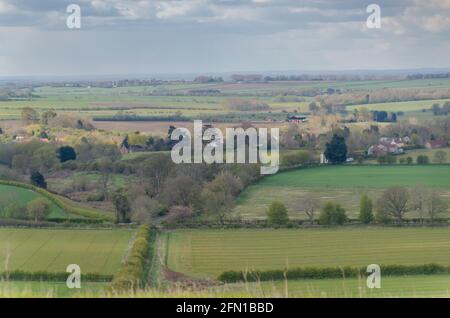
<point x="210" y="252"/>
<point x="96" y="251"/>
<point x="63" y="203"/>
<point x="342" y="184"/>
<point x="11" y="194"/>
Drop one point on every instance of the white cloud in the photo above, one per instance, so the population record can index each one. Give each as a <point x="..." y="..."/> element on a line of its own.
<point x="171" y="9"/>
<point x="436" y="23"/>
<point x="6" y="6"/>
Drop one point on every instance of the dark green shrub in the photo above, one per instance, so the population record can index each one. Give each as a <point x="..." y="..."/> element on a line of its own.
<point x="277" y="214"/>
<point x="422" y="160"/>
<point x="37" y="179"/>
<point x="332" y="214"/>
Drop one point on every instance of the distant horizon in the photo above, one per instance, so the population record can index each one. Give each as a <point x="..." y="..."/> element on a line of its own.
<point x="191" y="75"/>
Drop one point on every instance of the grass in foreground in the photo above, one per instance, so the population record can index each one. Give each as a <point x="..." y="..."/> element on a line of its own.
<point x="208" y="253"/>
<point x="50" y="289"/>
<point x="404" y="286"/>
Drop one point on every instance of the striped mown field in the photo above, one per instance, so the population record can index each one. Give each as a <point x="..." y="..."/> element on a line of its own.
<point x="207" y="253"/>
<point x="95" y="251"/>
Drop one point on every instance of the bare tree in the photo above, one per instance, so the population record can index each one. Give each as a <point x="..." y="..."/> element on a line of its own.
<point x="435" y="205"/>
<point x="419" y="197"/>
<point x="105" y="167"/>
<point x="440" y="156"/>
<point x="156" y="169"/>
<point x="309" y="206"/>
<point x="394" y="202"/>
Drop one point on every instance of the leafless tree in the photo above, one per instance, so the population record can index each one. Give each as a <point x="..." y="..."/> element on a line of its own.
<point x="394" y="202"/>
<point x="419" y="197"/>
<point x="435" y="205"/>
<point x="309" y="206"/>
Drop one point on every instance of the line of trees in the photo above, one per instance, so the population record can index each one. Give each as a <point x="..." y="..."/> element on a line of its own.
<point x="392" y="206"/>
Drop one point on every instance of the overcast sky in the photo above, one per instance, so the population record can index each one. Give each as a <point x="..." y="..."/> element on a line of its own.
<point x="201" y="36"/>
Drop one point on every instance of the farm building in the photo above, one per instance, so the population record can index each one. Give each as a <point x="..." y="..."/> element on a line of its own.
<point x="297" y="119"/>
<point x="384" y="149"/>
<point x="126" y="148"/>
<point x="388" y="146"/>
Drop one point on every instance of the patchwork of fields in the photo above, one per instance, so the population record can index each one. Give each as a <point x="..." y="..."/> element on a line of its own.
<point x="166" y="100"/>
<point x="341" y="184"/>
<point x="95" y="251"/>
<point x="208" y="253"/>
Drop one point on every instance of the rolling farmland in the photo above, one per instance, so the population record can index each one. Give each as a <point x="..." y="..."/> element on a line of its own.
<point x="207" y="253"/>
<point x="96" y="251"/>
<point x="11" y="194"/>
<point x="342" y="184"/>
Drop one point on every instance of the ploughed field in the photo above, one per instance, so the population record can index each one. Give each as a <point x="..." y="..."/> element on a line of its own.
<point x="208" y="253"/>
<point x="340" y="184"/>
<point x="32" y="250"/>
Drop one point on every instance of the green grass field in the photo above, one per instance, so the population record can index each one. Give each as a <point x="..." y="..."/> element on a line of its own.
<point x="50" y="289"/>
<point x="99" y="251"/>
<point x="12" y="194"/>
<point x="341" y="184"/>
<point x="207" y="253"/>
<point x="428" y="152"/>
<point x="403" y="286"/>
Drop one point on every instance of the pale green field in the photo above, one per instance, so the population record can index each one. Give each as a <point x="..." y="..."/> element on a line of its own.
<point x="95" y="251"/>
<point x="428" y="152"/>
<point x="401" y="106"/>
<point x="208" y="253"/>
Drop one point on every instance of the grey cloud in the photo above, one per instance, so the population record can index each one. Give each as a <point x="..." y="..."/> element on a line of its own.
<point x="129" y="36"/>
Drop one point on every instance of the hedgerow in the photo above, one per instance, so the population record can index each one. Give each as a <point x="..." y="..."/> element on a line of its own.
<point x="60" y="202"/>
<point x="329" y="272"/>
<point x="19" y="275"/>
<point x="131" y="274"/>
